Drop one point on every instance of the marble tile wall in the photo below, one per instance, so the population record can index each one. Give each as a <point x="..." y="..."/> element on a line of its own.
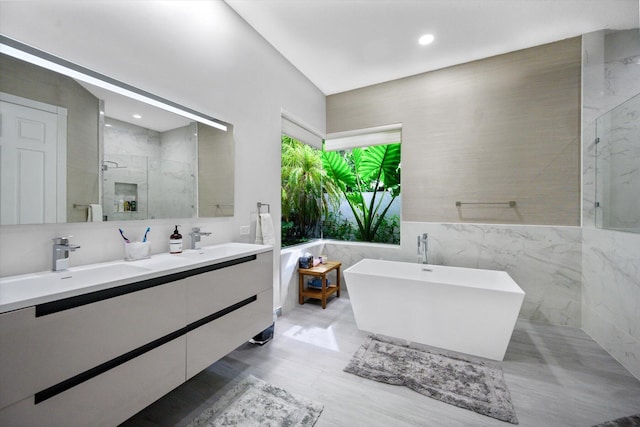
<point x="130" y="146"/>
<point x="544" y="261"/>
<point x="131" y="170"/>
<point x="618" y="177"/>
<point x="611" y="293"/>
<point x="610" y="259"/>
<point x="159" y="163"/>
<point x="172" y="183"/>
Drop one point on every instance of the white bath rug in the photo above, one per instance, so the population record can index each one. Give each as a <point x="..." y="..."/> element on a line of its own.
<point x="464" y="381"/>
<point x="254" y="402"/>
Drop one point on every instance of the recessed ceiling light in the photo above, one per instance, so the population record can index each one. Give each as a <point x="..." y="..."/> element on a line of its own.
<point x="426" y="39"/>
<point x="137" y="116"/>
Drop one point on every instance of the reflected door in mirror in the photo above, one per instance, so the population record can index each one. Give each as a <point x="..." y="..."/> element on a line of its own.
<point x="30" y="144"/>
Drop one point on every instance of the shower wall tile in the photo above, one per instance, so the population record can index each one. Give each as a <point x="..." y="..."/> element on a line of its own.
<point x="592" y="108"/>
<point x="622" y="60"/>
<point x="166" y="186"/>
<point x="611" y="275"/>
<point x="611" y="75"/>
<point x="610" y="259"/>
<point x="618" y="172"/>
<point x="611" y="293"/>
<point x="592" y="76"/>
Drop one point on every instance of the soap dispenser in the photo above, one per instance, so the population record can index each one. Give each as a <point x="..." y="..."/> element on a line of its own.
<point x="175" y="242"/>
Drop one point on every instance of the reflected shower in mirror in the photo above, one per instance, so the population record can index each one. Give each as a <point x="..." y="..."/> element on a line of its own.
<point x="78" y="143"/>
<point x="148" y="173"/>
<point x="618" y="168"/>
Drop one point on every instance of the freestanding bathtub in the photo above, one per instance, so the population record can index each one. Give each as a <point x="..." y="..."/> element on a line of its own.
<point x="467" y="310"/>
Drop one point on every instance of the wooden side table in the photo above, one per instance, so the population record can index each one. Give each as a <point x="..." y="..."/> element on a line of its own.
<point x="321" y="270"/>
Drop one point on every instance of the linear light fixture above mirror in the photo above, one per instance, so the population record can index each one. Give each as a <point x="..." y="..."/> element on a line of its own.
<point x="43" y="59"/>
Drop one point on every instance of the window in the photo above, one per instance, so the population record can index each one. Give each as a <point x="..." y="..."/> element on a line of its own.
<point x="349" y="190"/>
<point x="302" y="198"/>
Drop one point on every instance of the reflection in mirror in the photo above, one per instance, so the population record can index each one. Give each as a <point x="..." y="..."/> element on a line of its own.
<point x="215" y="179"/>
<point x="618" y="168"/>
<point x="148" y="173"/>
<point x="78" y="144"/>
<point x="34" y="156"/>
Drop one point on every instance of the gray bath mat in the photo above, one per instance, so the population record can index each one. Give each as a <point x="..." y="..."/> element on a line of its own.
<point x="631" y="421"/>
<point x="254" y="402"/>
<point x="468" y="382"/>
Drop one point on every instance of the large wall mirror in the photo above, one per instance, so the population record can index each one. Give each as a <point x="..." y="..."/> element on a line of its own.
<point x="618" y="168"/>
<point x="73" y="151"/>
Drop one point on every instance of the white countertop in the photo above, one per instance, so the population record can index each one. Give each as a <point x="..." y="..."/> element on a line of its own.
<point x="27" y="290"/>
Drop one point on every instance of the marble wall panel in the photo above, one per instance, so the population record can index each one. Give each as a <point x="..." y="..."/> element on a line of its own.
<point x="610" y="259"/>
<point x="621" y="63"/>
<point x="618" y="184"/>
<point x="544" y="261"/>
<point x="611" y="293"/>
<point x="592" y="108"/>
<point x="166" y="183"/>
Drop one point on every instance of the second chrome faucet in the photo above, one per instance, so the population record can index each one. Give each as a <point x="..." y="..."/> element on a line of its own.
<point x="423" y="248"/>
<point x="196" y="234"/>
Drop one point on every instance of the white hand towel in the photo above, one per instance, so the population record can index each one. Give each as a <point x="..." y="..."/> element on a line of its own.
<point x="259" y="239"/>
<point x="94" y="213"/>
<point x="268" y="236"/>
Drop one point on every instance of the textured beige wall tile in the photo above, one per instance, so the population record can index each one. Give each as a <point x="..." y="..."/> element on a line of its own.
<point x="498" y="129"/>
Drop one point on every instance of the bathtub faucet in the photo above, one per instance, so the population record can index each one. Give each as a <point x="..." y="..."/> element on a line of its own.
<point x="423" y="248"/>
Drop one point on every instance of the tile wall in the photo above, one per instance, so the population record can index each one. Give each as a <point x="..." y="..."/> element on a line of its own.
<point x="610" y="259"/>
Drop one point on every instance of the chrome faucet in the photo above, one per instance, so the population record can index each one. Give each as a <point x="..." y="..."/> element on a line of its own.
<point x="423" y="248"/>
<point x="195" y="237"/>
<point x="61" y="249"/>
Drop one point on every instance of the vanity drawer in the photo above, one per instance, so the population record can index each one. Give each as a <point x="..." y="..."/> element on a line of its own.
<point x="110" y="398"/>
<point x="212" y="341"/>
<point x="39" y="352"/>
<point x="210" y="292"/>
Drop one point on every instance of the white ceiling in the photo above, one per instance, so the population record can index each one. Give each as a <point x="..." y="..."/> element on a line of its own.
<point x="345" y="44"/>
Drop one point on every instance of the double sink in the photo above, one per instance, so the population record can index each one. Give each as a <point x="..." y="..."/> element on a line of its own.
<point x="30" y="289"/>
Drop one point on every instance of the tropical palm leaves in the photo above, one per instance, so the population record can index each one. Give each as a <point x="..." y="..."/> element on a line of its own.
<point x="304" y="184"/>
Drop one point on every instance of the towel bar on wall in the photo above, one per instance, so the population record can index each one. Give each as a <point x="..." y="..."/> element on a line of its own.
<point x="511" y="203"/>
<point x="260" y="205"/>
<point x="79" y="206"/>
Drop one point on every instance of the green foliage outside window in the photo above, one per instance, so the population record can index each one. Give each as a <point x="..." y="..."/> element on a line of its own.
<point x="374" y="169"/>
<point x="314" y="183"/>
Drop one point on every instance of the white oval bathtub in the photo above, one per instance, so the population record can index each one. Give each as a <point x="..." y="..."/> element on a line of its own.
<point x="467" y="310"/>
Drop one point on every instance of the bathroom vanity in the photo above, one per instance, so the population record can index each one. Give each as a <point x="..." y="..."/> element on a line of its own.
<point x="94" y="345"/>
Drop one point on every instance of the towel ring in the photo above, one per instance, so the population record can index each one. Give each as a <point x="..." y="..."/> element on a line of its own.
<point x="260" y="205"/>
